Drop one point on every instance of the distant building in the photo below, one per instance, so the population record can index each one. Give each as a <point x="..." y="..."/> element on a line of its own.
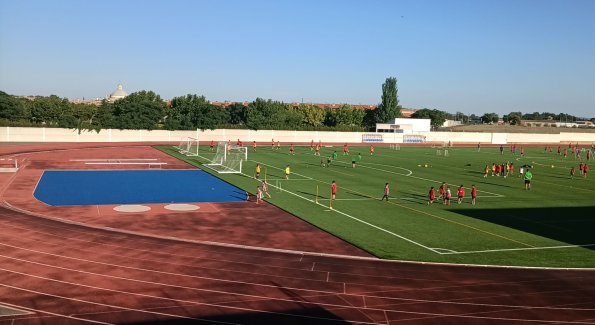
<point x="405" y="125"/>
<point x="451" y="123"/>
<point x="119" y="93"/>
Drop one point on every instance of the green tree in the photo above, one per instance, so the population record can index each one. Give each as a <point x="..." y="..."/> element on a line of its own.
<point x="266" y="115"/>
<point x="13" y="108"/>
<point x="237" y="114"/>
<point x="78" y="117"/>
<point x="460" y="116"/>
<point x="193" y="111"/>
<point x="346" y="115"/>
<point x="389" y="108"/>
<point x="489" y="118"/>
<point x="141" y="110"/>
<point x="312" y="115"/>
<point x="513" y="118"/>
<point x="48" y="110"/>
<point x="437" y="117"/>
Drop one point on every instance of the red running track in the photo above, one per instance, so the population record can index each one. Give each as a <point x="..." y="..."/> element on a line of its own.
<point x="80" y="273"/>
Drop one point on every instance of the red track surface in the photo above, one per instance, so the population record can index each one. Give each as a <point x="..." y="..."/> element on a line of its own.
<point x="93" y="265"/>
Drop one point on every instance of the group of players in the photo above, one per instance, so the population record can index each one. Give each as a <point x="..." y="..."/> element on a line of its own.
<point x="445" y="194"/>
<point x="501" y="169"/>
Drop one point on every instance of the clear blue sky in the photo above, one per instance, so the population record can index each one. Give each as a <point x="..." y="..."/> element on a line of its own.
<point x="474" y="56"/>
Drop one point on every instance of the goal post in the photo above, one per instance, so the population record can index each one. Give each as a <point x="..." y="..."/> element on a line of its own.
<point x="188" y="146"/>
<point x="228" y="159"/>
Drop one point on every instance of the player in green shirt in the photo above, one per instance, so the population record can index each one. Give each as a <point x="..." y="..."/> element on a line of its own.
<point x="528" y="177"/>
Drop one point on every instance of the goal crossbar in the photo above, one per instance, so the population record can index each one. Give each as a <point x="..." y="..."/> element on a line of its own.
<point x="228" y="159"/>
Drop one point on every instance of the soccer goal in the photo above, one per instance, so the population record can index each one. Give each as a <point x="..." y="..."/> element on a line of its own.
<point x="414" y="138"/>
<point x="228" y="158"/>
<point x="188" y="146"/>
<point x="442" y="152"/>
<point x="8" y="165"/>
<point x="372" y="137"/>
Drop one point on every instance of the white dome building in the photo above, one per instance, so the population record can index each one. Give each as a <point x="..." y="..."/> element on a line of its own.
<point x="117" y="94"/>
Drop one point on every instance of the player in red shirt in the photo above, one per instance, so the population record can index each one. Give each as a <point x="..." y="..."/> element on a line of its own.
<point x="254" y="146"/>
<point x="212" y="146"/>
<point x="386" y="192"/>
<point x="572" y="172"/>
<point x="272" y="143"/>
<point x="585" y="170"/>
<point x="447" y="196"/>
<point x="317" y="152"/>
<point x="431" y="195"/>
<point x="291" y="150"/>
<point x="333" y="191"/>
<point x="371" y="150"/>
<point x="580" y="168"/>
<point x="473" y="194"/>
<point x="460" y="194"/>
<point x="265" y="188"/>
<point x="239" y="143"/>
<point x="345" y="150"/>
<point x="442" y="190"/>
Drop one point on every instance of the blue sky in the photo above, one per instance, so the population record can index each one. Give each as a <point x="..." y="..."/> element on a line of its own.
<point x="474" y="56"/>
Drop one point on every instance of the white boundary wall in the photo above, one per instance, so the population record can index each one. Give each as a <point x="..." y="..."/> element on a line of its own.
<point x="19" y="134"/>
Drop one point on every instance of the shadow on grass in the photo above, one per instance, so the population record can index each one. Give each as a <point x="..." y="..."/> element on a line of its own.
<point x="572" y="225"/>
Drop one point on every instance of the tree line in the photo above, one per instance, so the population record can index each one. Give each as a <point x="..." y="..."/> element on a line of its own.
<point x="147" y="110"/>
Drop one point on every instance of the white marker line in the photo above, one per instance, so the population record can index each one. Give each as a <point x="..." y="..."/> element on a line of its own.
<point x="21" y="310"/>
<point x="195" y="303"/>
<point x="359" y="220"/>
<point x="411" y="175"/>
<point x="366" y="199"/>
<point x="112" y="159"/>
<point x="520" y="249"/>
<point x="97" y="303"/>
<point x="446" y="250"/>
<point x="125" y="163"/>
<point x="55" y="314"/>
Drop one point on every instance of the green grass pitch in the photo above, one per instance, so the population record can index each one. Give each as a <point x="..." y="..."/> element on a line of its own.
<point x="551" y="225"/>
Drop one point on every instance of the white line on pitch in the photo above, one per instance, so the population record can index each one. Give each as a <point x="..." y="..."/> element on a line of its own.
<point x="425" y="179"/>
<point x="520" y="249"/>
<point x="356" y="219"/>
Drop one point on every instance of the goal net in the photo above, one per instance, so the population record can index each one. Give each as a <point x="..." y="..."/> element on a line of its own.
<point x="228" y="158"/>
<point x="414" y="138"/>
<point x="372" y="137"/>
<point x="188" y="146"/>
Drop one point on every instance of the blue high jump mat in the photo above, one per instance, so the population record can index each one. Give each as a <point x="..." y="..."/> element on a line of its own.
<point x="98" y="187"/>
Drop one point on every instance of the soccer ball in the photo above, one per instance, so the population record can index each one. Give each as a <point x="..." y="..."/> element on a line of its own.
<point x="426" y="165"/>
<point x="553" y="166"/>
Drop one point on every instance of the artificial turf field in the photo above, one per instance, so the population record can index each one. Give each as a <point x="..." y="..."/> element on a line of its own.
<point x="551" y="225"/>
